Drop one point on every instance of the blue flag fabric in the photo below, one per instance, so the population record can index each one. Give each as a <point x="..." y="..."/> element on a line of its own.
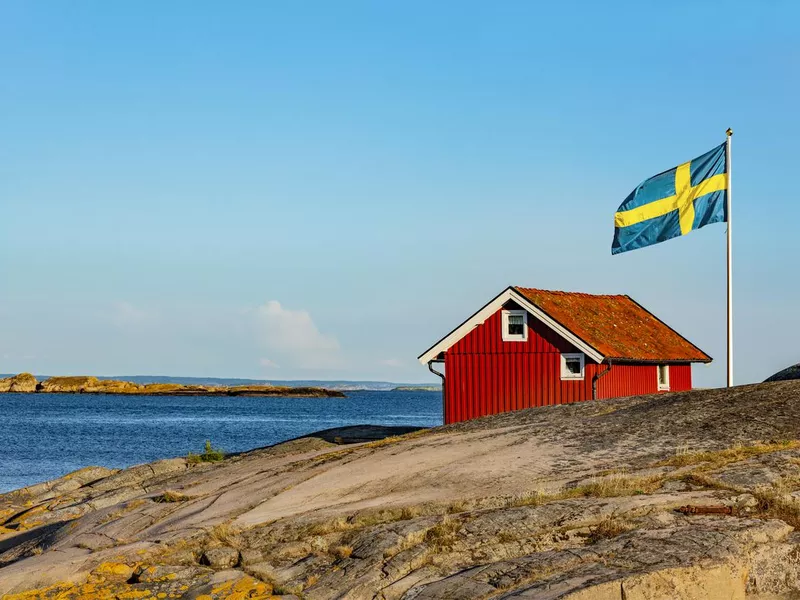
<point x="673" y="203"/>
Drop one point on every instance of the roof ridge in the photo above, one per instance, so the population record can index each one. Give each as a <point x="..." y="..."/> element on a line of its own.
<point x="565" y="293"/>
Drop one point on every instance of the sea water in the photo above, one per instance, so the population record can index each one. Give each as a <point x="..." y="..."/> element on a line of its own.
<point x="44" y="436"/>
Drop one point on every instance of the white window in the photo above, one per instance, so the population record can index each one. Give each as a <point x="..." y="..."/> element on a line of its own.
<point x="515" y="326"/>
<point x="663" y="377"/>
<point x="572" y="365"/>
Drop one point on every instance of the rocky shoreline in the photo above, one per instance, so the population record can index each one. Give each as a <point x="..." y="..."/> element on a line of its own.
<point x="690" y="495"/>
<point x="25" y="383"/>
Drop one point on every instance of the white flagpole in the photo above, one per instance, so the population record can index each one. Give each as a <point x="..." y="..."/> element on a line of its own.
<point x="729" y="133"/>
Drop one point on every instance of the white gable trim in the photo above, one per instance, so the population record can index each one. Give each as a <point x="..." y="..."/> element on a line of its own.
<point x="492" y="307"/>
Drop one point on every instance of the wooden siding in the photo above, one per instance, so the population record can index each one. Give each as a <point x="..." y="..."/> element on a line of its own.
<point x="486" y="375"/>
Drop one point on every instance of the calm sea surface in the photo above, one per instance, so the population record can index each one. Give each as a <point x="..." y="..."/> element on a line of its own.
<point x="44" y="436"/>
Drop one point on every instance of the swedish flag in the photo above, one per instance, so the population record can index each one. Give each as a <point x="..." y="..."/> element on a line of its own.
<point x="673" y="203"/>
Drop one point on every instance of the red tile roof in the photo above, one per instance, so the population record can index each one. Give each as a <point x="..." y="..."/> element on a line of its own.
<point x="616" y="326"/>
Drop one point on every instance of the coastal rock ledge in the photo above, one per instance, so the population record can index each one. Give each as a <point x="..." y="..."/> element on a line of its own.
<point x="26" y="383"/>
<point x="689" y="495"/>
<point x="22" y="383"/>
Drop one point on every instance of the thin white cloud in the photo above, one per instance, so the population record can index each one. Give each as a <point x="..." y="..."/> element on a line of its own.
<point x="392" y="362"/>
<point x="292" y="337"/>
<point x="268" y="364"/>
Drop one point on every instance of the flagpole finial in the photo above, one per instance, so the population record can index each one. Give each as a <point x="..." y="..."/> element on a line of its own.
<point x="729" y="133"/>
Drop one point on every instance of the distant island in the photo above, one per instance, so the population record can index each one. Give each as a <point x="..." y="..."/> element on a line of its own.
<point x="25" y="383"/>
<point x="418" y="388"/>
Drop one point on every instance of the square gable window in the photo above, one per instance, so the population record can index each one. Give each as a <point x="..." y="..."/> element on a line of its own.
<point x="515" y="326"/>
<point x="572" y="365"/>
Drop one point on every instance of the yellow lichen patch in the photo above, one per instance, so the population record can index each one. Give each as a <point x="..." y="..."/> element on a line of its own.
<point x="6" y="513"/>
<point x="246" y="588"/>
<point x="221" y="589"/>
<point x="133" y="595"/>
<point x="249" y="589"/>
<point x="25" y="522"/>
<point x="54" y="591"/>
<point x="97" y="587"/>
<point x="151" y="571"/>
<point x="114" y="569"/>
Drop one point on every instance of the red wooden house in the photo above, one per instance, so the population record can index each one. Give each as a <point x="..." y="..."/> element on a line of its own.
<point x="530" y="347"/>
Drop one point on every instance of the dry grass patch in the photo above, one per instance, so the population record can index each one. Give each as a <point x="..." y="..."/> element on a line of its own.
<point x="457" y="507"/>
<point x="326" y="527"/>
<point x="443" y="535"/>
<point x="387" y="515"/>
<point x="699" y="478"/>
<point x="776" y="502"/>
<point x="341" y="552"/>
<point x="225" y="534"/>
<point x="714" y="459"/>
<point x="369" y="519"/>
<point x="169" y="496"/>
<point x="618" y="484"/>
<point x="609" y="527"/>
<point x="610" y="486"/>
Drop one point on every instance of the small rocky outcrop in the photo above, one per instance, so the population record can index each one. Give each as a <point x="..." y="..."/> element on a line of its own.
<point x="787" y="374"/>
<point x="87" y="385"/>
<point x="22" y="383"/>
<point x="84" y="384"/>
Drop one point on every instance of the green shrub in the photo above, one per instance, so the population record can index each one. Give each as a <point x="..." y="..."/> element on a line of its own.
<point x="209" y="454"/>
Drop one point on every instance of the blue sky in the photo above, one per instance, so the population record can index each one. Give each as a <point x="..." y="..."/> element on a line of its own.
<point x="322" y="190"/>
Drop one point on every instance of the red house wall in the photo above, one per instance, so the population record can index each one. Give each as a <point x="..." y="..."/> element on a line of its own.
<point x="485" y="375"/>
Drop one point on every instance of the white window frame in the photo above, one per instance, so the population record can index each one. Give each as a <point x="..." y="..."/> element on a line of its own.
<point x="565" y="372"/>
<point x="662" y="386"/>
<point x="507" y="337"/>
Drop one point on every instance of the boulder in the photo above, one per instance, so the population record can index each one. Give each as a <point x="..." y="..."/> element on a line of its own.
<point x="223" y="557"/>
<point x="22" y="383"/>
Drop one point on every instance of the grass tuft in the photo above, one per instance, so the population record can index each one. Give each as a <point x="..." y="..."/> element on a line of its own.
<point x="610" y="486"/>
<point x="169" y="496"/>
<point x="609" y="527"/>
<point x="209" y="454"/>
<point x="342" y="552"/>
<point x="442" y="536"/>
<point x="714" y="459"/>
<point x="225" y="534"/>
<point x="775" y="502"/>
